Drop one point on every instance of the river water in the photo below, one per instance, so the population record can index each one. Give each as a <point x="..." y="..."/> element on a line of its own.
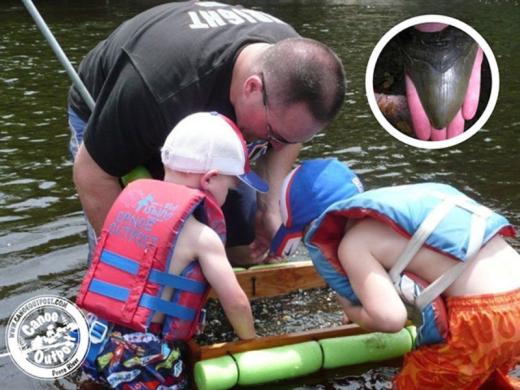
<point x="42" y="237"/>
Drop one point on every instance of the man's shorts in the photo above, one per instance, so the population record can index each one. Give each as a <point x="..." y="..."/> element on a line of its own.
<point x="483" y="346"/>
<point x="137" y="360"/>
<point x="77" y="127"/>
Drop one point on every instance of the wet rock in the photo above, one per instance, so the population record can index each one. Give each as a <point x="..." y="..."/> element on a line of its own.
<point x="296" y="312"/>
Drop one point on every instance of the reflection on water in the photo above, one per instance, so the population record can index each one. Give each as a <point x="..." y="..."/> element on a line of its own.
<point x="42" y="239"/>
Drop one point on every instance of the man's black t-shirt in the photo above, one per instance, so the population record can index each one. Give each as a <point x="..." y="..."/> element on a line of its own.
<point x="165" y="63"/>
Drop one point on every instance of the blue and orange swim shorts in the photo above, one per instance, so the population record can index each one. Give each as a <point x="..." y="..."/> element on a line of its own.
<point x="483" y="346"/>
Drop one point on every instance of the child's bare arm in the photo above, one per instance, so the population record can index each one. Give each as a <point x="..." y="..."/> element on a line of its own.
<point x="358" y="315"/>
<point x="221" y="277"/>
<point x="381" y="308"/>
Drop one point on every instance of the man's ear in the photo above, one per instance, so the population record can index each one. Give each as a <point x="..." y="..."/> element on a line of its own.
<point x="205" y="179"/>
<point x="253" y="84"/>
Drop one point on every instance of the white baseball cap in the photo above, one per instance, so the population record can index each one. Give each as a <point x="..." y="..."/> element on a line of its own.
<point x="208" y="140"/>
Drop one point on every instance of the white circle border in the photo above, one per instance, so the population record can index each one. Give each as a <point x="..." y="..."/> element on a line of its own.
<point x="495" y="81"/>
<point x="70" y="365"/>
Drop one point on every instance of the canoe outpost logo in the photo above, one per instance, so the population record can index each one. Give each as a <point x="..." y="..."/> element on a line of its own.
<point x="47" y="337"/>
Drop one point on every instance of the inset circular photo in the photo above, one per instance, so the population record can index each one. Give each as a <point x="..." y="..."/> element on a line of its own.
<point x="432" y="81"/>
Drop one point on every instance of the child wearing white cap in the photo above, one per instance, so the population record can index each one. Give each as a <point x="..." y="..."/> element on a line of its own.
<point x="205" y="143"/>
<point x="424" y="252"/>
<point x="161" y="249"/>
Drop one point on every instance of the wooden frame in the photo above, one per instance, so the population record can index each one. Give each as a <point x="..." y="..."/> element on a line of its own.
<point x="278" y="279"/>
<point x="220" y="349"/>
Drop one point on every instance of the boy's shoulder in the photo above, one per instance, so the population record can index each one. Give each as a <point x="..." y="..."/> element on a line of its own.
<point x="370" y="234"/>
<point x="196" y="241"/>
<point x="199" y="236"/>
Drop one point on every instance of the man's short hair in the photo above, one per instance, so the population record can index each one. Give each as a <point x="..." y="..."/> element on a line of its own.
<point x="302" y="70"/>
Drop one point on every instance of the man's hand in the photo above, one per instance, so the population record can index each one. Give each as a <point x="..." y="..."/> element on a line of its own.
<point x="267" y="223"/>
<point x="421" y="123"/>
<point x="273" y="167"/>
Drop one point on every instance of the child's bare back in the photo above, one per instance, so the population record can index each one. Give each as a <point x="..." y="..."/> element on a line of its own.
<point x="495" y="269"/>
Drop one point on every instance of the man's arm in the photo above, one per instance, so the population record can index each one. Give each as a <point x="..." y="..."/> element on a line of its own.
<point x="273" y="168"/>
<point x="221" y="277"/>
<point x="124" y="131"/>
<point x="97" y="190"/>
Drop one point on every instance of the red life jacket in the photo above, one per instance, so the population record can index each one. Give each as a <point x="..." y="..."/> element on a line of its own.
<point x="129" y="271"/>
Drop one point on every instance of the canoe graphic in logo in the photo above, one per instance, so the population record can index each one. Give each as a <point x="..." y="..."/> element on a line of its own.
<point x="47" y="337"/>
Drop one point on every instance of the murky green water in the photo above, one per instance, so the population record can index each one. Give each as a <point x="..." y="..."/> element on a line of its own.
<point x="42" y="239"/>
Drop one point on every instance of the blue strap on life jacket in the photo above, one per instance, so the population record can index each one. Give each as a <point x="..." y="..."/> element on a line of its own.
<point x="149" y="301"/>
<point x="164" y="278"/>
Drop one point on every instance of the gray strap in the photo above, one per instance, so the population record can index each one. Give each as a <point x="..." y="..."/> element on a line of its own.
<point x="478" y="229"/>
<point x="420" y="236"/>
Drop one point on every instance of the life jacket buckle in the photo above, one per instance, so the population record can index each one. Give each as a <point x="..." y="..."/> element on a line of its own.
<point x="202" y="322"/>
<point x="98" y="331"/>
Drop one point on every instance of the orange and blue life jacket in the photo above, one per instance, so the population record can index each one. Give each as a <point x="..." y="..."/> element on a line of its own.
<point x="125" y="281"/>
